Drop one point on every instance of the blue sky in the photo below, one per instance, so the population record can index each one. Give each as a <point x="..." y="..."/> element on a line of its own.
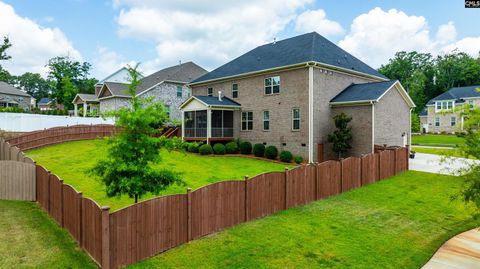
<point x="109" y="34"/>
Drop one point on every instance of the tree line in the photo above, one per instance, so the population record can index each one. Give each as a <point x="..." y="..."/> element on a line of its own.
<point x="65" y="78"/>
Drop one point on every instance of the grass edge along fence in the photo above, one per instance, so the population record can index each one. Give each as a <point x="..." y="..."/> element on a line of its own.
<point x="150" y="227"/>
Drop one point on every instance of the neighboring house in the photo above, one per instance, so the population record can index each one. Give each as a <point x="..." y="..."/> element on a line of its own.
<point x="13" y="97"/>
<point x="168" y="85"/>
<point x="89" y="104"/>
<point x="286" y="93"/>
<point x="120" y="76"/>
<point x="444" y="111"/>
<point x="46" y="104"/>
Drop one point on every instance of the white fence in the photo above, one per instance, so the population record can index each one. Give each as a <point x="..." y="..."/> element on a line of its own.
<point x="22" y="122"/>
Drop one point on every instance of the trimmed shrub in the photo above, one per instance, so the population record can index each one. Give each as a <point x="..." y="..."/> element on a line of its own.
<point x="219" y="149"/>
<point x="298" y="159"/>
<point x="271" y="152"/>
<point x="259" y="150"/>
<point x="231" y="147"/>
<point x="286" y="156"/>
<point x="245" y="147"/>
<point x="205" y="149"/>
<point x="193" y="147"/>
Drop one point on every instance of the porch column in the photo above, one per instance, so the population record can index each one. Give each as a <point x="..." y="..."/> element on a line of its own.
<point x="84" y="109"/>
<point x="183" y="124"/>
<point x="209" y="125"/>
<point x="76" y="109"/>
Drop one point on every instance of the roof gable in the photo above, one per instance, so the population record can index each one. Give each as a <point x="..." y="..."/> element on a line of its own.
<point x="199" y="101"/>
<point x="295" y="50"/>
<point x="369" y="92"/>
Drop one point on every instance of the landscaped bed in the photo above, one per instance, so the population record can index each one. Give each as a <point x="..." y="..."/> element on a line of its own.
<point x="72" y="161"/>
<point x="31" y="239"/>
<point x="396" y="223"/>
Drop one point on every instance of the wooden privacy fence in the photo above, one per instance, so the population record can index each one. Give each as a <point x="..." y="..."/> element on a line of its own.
<point x="147" y="228"/>
<point x="17" y="174"/>
<point x="58" y="135"/>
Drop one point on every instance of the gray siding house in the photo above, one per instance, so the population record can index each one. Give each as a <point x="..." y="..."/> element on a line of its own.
<point x="286" y="93"/>
<point x="168" y="85"/>
<point x="443" y="114"/>
<point x="13" y="97"/>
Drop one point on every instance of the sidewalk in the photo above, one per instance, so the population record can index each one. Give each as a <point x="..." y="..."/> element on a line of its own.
<point x="460" y="252"/>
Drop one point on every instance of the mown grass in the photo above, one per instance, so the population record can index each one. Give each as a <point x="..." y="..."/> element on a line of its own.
<point x="437" y="140"/>
<point x="72" y="161"/>
<point x="395" y="223"/>
<point x="31" y="239"/>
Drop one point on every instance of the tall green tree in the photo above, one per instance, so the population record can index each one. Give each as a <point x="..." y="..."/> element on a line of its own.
<point x="457" y="69"/>
<point x="33" y="84"/>
<point x="63" y="67"/>
<point x="4" y="74"/>
<point x="128" y="168"/>
<point x="342" y="136"/>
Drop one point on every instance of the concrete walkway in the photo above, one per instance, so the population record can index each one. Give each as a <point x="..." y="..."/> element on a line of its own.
<point x="433" y="163"/>
<point x="460" y="252"/>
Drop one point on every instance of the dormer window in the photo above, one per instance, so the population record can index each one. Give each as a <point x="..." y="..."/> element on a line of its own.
<point x="210" y="91"/>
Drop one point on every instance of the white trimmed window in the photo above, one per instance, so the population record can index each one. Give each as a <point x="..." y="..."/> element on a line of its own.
<point x="296" y="119"/>
<point x="437" y="121"/>
<point x="266" y="120"/>
<point x="167" y="110"/>
<point x="272" y="85"/>
<point x="210" y="91"/>
<point x="179" y="91"/>
<point x="444" y="105"/>
<point x="453" y="121"/>
<point x="247" y="121"/>
<point x="234" y="90"/>
<point x="439" y="105"/>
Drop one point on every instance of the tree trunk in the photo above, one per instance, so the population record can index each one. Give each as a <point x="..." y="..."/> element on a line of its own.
<point x="136" y="198"/>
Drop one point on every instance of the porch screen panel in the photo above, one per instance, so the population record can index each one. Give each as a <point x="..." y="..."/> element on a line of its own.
<point x="190" y="124"/>
<point x="228" y="123"/>
<point x="201" y="123"/>
<point x="217" y="123"/>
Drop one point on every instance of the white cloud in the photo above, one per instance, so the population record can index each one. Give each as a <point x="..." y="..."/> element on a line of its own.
<point x="107" y="61"/>
<point x="376" y="36"/>
<point x="33" y="45"/>
<point x="316" y="20"/>
<point x="205" y="31"/>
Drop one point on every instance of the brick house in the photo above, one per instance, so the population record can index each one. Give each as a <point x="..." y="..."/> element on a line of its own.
<point x="168" y="85"/>
<point x="443" y="113"/>
<point x="13" y="97"/>
<point x="285" y="94"/>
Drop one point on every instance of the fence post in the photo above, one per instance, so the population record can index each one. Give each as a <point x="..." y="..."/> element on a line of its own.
<point x="408" y="157"/>
<point x="80" y="234"/>
<point x="247" y="204"/>
<point x="341" y="175"/>
<point x="105" y="237"/>
<point x="286" y="187"/>
<point x="61" y="203"/>
<point x="315" y="174"/>
<point x="189" y="214"/>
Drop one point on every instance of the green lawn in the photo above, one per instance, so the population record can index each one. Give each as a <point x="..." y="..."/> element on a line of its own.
<point x="31" y="239"/>
<point x="72" y="161"/>
<point x="437" y="140"/>
<point x="396" y="223"/>
<point x="440" y="151"/>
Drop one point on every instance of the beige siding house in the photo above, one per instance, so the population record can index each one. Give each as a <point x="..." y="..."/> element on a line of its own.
<point x="443" y="114"/>
<point x="13" y="97"/>
<point x="285" y="94"/>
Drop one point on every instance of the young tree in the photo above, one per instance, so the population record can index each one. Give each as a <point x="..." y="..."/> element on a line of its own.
<point x="342" y="136"/>
<point x="133" y="151"/>
<point x="3" y="48"/>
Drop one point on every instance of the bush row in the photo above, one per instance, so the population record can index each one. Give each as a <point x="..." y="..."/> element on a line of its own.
<point x="243" y="147"/>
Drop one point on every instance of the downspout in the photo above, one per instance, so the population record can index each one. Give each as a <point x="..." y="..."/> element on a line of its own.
<point x="373" y="126"/>
<point x="310" y="111"/>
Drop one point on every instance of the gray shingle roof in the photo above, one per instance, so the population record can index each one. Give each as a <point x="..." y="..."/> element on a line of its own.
<point x="213" y="101"/>
<point x="363" y="92"/>
<point x="44" y="101"/>
<point x="183" y="73"/>
<point x="295" y="50"/>
<point x="457" y="94"/>
<point x="6" y="88"/>
<point x="423" y="113"/>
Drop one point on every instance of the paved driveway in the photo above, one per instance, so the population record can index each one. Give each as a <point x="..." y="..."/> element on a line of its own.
<point x="433" y="163"/>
